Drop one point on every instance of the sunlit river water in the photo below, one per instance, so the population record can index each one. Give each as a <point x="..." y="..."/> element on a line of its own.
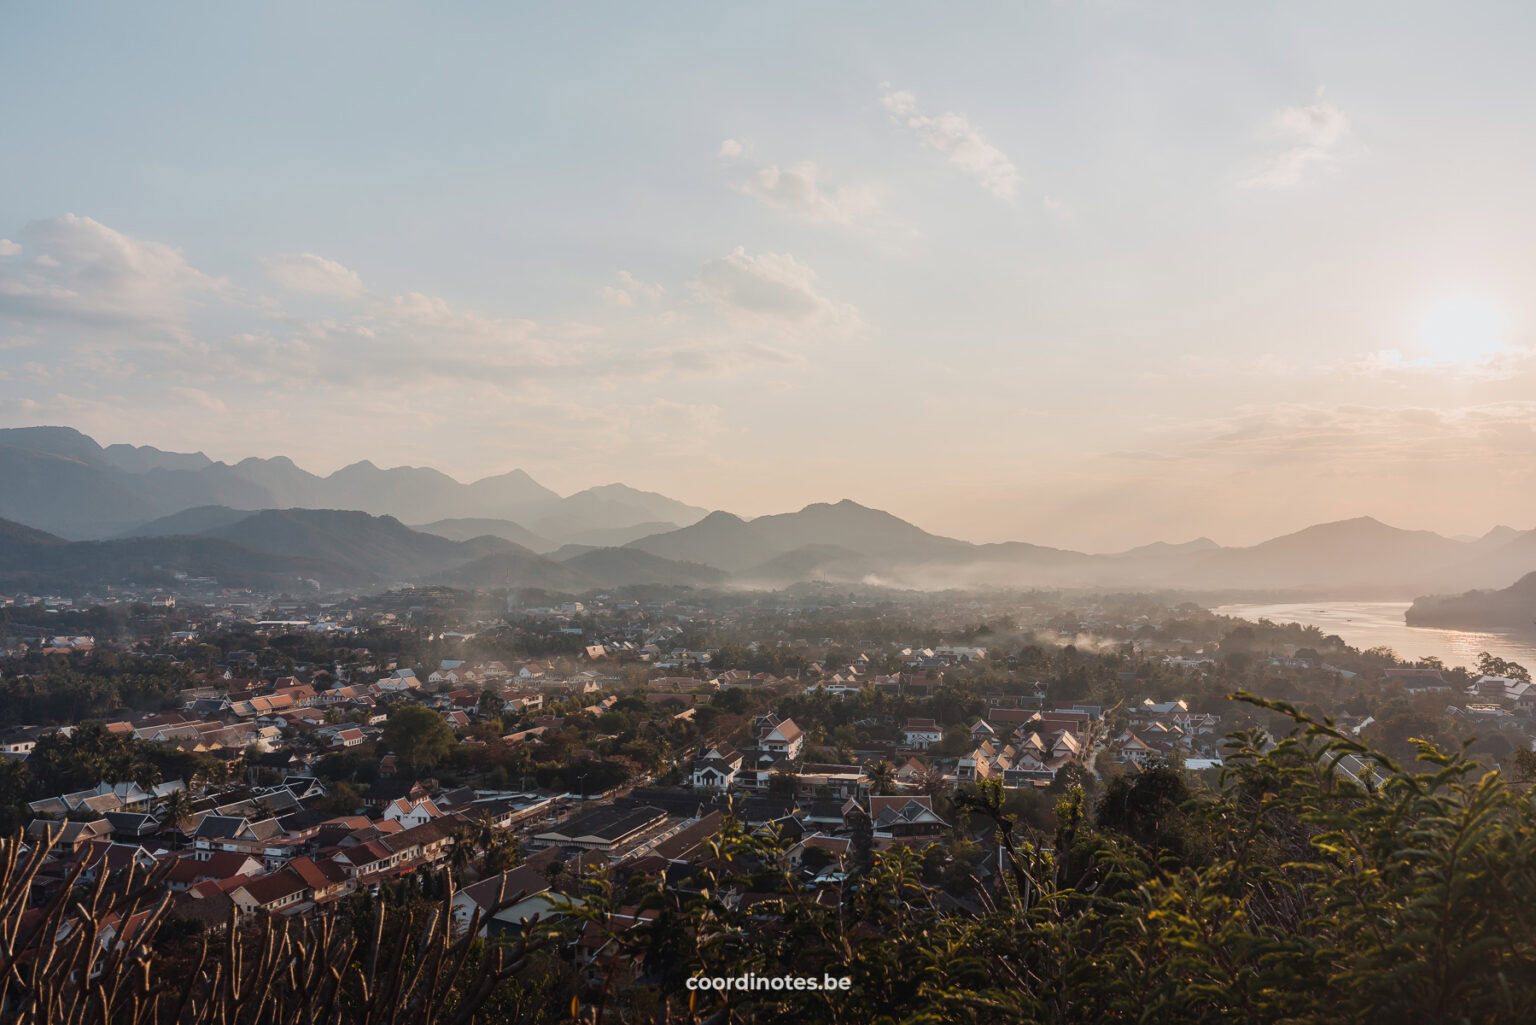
<point x="1371" y="624"/>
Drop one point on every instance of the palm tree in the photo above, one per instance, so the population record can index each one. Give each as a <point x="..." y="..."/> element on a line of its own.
<point x="881" y="776"/>
<point x="175" y="809"/>
<point x="501" y="853"/>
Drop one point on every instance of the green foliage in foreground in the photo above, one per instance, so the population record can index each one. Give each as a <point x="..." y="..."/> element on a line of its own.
<point x="1291" y="894"/>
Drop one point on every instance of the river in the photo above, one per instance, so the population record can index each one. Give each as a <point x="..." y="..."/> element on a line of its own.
<point x="1373" y="624"/>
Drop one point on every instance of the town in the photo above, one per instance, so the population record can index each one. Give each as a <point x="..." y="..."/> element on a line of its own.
<point x="263" y="757"/>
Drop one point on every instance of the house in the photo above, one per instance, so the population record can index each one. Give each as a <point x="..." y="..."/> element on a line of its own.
<point x="412" y="813"/>
<point x="503" y="812"/>
<point x="326" y="880"/>
<point x="385" y="790"/>
<point x="784" y="738"/>
<point x="18" y="742"/>
<point x="132" y="823"/>
<point x="224" y="832"/>
<point x="522" y="701"/>
<point x="503" y="903"/>
<point x="1133" y="750"/>
<point x="100" y="857"/>
<point x="347" y="738"/>
<point x="69" y="836"/>
<point x="910" y="772"/>
<point x="371" y="860"/>
<point x="1418" y="681"/>
<point x="905" y="818"/>
<point x="840" y="781"/>
<point x="716" y="767"/>
<point x="187" y="870"/>
<point x="921" y="734"/>
<point x="398" y="682"/>
<point x="280" y="891"/>
<point x="836" y="849"/>
<point x="604" y="829"/>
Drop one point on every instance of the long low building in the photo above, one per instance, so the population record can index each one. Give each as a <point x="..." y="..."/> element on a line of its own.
<point x="604" y="829"/>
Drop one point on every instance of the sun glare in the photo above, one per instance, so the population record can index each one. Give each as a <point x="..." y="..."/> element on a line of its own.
<point x="1464" y="328"/>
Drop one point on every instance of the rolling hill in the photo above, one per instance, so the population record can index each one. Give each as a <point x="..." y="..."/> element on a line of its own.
<point x="1512" y="608"/>
<point x="627" y="567"/>
<point x="32" y="561"/>
<point x="464" y="528"/>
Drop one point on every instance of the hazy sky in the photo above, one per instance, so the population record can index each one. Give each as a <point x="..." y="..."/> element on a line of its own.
<point x="1080" y="273"/>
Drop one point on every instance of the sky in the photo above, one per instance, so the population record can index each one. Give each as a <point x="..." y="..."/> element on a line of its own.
<point x="1088" y="274"/>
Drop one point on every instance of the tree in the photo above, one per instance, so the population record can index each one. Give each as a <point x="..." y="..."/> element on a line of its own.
<point x="175" y="808"/>
<point x="782" y="781"/>
<point x="418" y="736"/>
<point x="1492" y="665"/>
<point x="881" y="776"/>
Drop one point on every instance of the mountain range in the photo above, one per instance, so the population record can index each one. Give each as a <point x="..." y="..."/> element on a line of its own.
<point x="64" y="482"/>
<point x="128" y="510"/>
<point x="295" y="550"/>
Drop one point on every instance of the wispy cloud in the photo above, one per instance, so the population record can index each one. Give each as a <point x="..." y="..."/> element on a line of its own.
<point x="796" y="189"/>
<point x="772" y="288"/>
<point x="1311" y="137"/>
<point x="113" y="308"/>
<point x="631" y="291"/>
<point x="306" y="272"/>
<point x="954" y="136"/>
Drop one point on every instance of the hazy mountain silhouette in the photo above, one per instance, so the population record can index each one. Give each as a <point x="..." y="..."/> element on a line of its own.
<point x="196" y="520"/>
<point x="622" y="567"/>
<point x="62" y="482"/>
<point x="721" y="539"/>
<point x="66" y="483"/>
<point x="849" y="542"/>
<point x="33" y="561"/>
<point x="464" y="528"/>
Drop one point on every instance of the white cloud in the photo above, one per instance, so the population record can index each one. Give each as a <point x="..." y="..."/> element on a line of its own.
<point x="795" y="189"/>
<point x="9" y="248"/>
<point x="315" y="275"/>
<point x="1312" y="136"/>
<point x="961" y="142"/>
<point x="123" y="327"/>
<point x="732" y="149"/>
<point x="631" y="290"/>
<point x="90" y="272"/>
<point x="771" y="287"/>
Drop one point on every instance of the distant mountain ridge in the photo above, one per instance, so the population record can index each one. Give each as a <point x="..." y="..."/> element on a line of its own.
<point x="68" y="484"/>
<point x="63" y="483"/>
<point x="849" y="542"/>
<point x="294" y="550"/>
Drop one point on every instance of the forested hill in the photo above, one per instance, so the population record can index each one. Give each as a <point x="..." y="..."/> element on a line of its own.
<point x="1513" y="608"/>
